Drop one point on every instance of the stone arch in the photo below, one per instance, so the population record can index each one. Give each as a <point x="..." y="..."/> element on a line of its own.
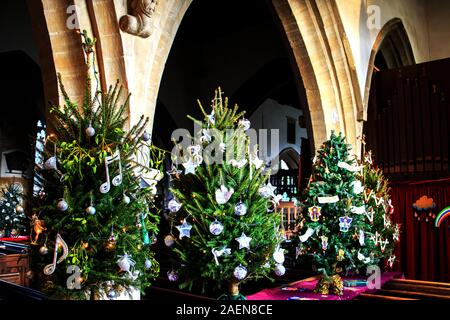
<point x="394" y="35"/>
<point x="290" y="156"/>
<point x="314" y="31"/>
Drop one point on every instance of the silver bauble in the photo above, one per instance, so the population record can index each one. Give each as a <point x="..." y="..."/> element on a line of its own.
<point x="146" y="136"/>
<point x="169" y="240"/>
<point x="90" y="210"/>
<point x="280" y="270"/>
<point x="240" y="209"/>
<point x="148" y="264"/>
<point x="112" y="294"/>
<point x="216" y="228"/>
<point x="126" y="199"/>
<point x="172" y="276"/>
<point x="90" y="131"/>
<point x="240" y="272"/>
<point x="62" y="205"/>
<point x="43" y="250"/>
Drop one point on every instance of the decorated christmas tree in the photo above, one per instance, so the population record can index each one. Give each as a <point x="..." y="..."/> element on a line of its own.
<point x="345" y="225"/>
<point x="383" y="232"/>
<point x="93" y="220"/>
<point x="224" y="229"/>
<point x="13" y="221"/>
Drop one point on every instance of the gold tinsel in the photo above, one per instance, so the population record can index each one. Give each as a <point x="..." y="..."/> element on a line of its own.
<point x="330" y="285"/>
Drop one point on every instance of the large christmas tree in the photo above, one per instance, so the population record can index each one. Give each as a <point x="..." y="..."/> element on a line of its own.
<point x="346" y="223"/>
<point x="13" y="221"/>
<point x="224" y="232"/>
<point x="93" y="216"/>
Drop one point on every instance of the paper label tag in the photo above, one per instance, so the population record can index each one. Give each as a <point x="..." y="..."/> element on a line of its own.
<point x="358" y="210"/>
<point x="345" y="165"/>
<point x="332" y="199"/>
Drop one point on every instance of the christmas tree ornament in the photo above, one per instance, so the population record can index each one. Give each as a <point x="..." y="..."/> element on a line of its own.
<point x="223" y="194"/>
<point x="211" y="118"/>
<point x="358" y="210"/>
<point x="169" y="240"/>
<point x="91" y="210"/>
<point x="38" y="227"/>
<point x="280" y="270"/>
<point x="349" y="167"/>
<point x="174" y="205"/>
<point x="383" y="244"/>
<point x="146" y="136"/>
<point x="328" y="199"/>
<point x="278" y="255"/>
<point x="125" y="263"/>
<point x="19" y="209"/>
<point x="144" y="232"/>
<point x="174" y="173"/>
<point x="363" y="258"/>
<point x="110" y="244"/>
<point x="225" y="251"/>
<point x="90" y="131"/>
<point x="147" y="264"/>
<point x="314" y="213"/>
<point x="62" y="205"/>
<point x="154" y="239"/>
<point x="257" y="162"/>
<point x="50" y="268"/>
<point x="375" y="238"/>
<point x="172" y="276"/>
<point x="267" y="190"/>
<point x="386" y="221"/>
<point x="324" y="240"/>
<point x="216" y="228"/>
<point x="126" y="199"/>
<point x="50" y="163"/>
<point x="344" y="223"/>
<point x="240" y="209"/>
<point x="14" y="233"/>
<point x="361" y="238"/>
<point x="391" y="261"/>
<point x="244" y="241"/>
<point x="43" y="250"/>
<point x="184" y="229"/>
<point x="238" y="164"/>
<point x="189" y="167"/>
<point x="240" y="272"/>
<point x="111" y="294"/>
<point x="41" y="194"/>
<point x="117" y="180"/>
<point x="245" y="124"/>
<point x="390" y="207"/>
<point x="370" y="214"/>
<point x="396" y="234"/>
<point x="308" y="233"/>
<point x="340" y="255"/>
<point x="206" y="137"/>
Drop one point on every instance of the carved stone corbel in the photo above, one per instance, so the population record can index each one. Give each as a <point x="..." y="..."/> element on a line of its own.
<point x="139" y="22"/>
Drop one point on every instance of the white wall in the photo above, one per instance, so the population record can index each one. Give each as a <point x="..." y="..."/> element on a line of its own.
<point x="427" y="23"/>
<point x="272" y="115"/>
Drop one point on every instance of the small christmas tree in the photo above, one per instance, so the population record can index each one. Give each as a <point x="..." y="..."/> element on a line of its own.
<point x="379" y="210"/>
<point x="345" y="227"/>
<point x="93" y="217"/>
<point x="13" y="220"/>
<point x="223" y="230"/>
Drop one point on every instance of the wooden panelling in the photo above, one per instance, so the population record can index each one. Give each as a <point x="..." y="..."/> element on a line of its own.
<point x="408" y="116"/>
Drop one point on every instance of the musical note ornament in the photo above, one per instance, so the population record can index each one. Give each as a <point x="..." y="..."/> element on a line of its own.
<point x="50" y="268"/>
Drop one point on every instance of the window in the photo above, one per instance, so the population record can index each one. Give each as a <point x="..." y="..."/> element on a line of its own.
<point x="291" y="130"/>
